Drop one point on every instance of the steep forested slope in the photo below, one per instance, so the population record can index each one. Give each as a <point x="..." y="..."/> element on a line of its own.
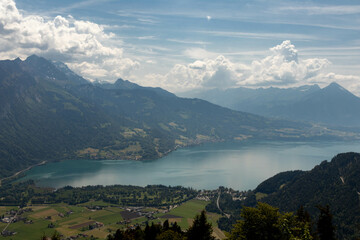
<point x="335" y="183"/>
<point x="47" y="112"/>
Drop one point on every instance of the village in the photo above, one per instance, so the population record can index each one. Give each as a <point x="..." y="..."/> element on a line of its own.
<point x="208" y="195"/>
<point x="128" y="214"/>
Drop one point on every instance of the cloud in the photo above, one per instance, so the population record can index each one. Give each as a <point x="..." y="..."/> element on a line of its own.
<point x="349" y="81"/>
<point x="83" y="45"/>
<point x="263" y="35"/>
<point x="146" y="38"/>
<point x="281" y="68"/>
<point x="325" y="10"/>
<point x="187" y="41"/>
<point x="287" y="50"/>
<point x="219" y="72"/>
<point x="199" y="53"/>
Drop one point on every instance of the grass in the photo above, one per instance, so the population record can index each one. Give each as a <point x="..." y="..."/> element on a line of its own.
<point x="114" y="209"/>
<point x="29" y="231"/>
<point x="3" y="210"/>
<point x="109" y="219"/>
<point x="96" y="203"/>
<point x="109" y="216"/>
<point x="260" y="195"/>
<point x="187" y="211"/>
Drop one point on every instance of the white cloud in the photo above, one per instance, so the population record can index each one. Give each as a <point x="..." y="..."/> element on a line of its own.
<point x="187" y="41"/>
<point x="263" y="35"/>
<point x="83" y="45"/>
<point x="281" y="68"/>
<point x="199" y="53"/>
<point x="146" y="38"/>
<point x="219" y="72"/>
<point x="325" y="10"/>
<point x="348" y="81"/>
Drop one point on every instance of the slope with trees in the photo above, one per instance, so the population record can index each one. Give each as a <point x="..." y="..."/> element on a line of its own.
<point x="49" y="113"/>
<point x="335" y="183"/>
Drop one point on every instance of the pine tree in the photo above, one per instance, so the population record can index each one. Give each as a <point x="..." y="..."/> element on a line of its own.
<point x="201" y="229"/>
<point x="325" y="227"/>
<point x="176" y="228"/>
<point x="166" y="225"/>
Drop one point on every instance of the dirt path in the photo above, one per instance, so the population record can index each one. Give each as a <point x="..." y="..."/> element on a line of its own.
<point x="218" y="206"/>
<point x="10" y="221"/>
<point x="24" y="170"/>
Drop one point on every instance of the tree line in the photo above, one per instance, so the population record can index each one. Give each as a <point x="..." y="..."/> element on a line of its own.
<point x="257" y="223"/>
<point x="24" y="193"/>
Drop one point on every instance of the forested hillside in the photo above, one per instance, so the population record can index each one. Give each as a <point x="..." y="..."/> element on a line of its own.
<point x="47" y="112"/>
<point x="335" y="183"/>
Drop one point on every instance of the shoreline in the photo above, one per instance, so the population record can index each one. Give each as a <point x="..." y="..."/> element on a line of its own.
<point x="231" y="151"/>
<point x="22" y="171"/>
<point x="246" y="141"/>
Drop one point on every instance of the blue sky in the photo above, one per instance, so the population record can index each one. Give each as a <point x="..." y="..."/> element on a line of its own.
<point x="186" y="45"/>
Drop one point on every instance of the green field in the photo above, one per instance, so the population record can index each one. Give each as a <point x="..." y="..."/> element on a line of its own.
<point x="65" y="216"/>
<point x="188" y="211"/>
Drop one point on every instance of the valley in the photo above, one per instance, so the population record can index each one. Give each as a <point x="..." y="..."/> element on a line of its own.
<point x="97" y="219"/>
<point x="239" y="165"/>
<point x="179" y="120"/>
<point x="48" y="113"/>
<point x="100" y="210"/>
<point x="83" y="154"/>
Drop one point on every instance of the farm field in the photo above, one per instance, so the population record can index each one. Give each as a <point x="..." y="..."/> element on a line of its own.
<point x="97" y="219"/>
<point x="185" y="213"/>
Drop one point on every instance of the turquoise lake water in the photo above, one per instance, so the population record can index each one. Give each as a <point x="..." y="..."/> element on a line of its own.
<point x="239" y="165"/>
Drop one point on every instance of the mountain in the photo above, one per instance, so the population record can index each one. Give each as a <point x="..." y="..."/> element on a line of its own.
<point x="253" y="100"/>
<point x="47" y="112"/>
<point x="127" y="85"/>
<point x="332" y="105"/>
<point x="335" y="183"/>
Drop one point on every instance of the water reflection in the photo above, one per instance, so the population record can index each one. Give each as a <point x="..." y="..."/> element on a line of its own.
<point x="238" y="165"/>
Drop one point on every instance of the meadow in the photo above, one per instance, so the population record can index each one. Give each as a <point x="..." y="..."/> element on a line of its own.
<point x="98" y="219"/>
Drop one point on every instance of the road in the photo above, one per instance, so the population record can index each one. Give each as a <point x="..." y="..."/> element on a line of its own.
<point x="218" y="205"/>
<point x="10" y="221"/>
<point x="24" y="170"/>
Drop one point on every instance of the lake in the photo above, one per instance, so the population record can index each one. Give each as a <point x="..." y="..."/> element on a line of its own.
<point x="239" y="165"/>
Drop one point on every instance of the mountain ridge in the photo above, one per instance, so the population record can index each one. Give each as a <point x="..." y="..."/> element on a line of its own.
<point x="335" y="183"/>
<point x="49" y="113"/>
<point x="332" y="105"/>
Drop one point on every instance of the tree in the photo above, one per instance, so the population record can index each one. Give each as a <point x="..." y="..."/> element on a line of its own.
<point x="166" y="225"/>
<point x="169" y="235"/>
<point x="176" y="228"/>
<point x="325" y="227"/>
<point x="303" y="215"/>
<point x="266" y="222"/>
<point x="43" y="237"/>
<point x="56" y="236"/>
<point x="201" y="228"/>
<point x="119" y="235"/>
<point x="152" y="231"/>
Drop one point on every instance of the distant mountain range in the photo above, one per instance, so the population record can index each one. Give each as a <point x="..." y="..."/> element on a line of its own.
<point x="332" y="105"/>
<point x="47" y="112"/>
